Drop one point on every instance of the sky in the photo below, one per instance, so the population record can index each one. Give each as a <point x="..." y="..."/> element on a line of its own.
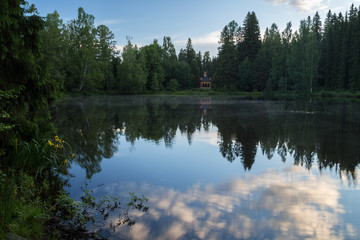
<point x="201" y="20"/>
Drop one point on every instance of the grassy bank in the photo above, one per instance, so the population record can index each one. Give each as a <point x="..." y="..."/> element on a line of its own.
<point x="32" y="176"/>
<point x="34" y="204"/>
<point x="254" y="94"/>
<point x="337" y="94"/>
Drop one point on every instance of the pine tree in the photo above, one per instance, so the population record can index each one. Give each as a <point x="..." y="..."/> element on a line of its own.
<point x="281" y="60"/>
<point x="327" y="55"/>
<point x="53" y="47"/>
<point x="26" y="91"/>
<point x="155" y="77"/>
<point x="340" y="53"/>
<point x="106" y="51"/>
<point x="354" y="68"/>
<point x="191" y="59"/>
<point x="264" y="61"/>
<point x="169" y="59"/>
<point x="226" y="72"/>
<point x="250" y="38"/>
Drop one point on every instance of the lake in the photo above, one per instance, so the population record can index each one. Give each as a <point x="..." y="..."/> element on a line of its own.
<point x="220" y="167"/>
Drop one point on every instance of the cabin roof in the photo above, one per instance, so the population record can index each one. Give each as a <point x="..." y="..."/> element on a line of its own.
<point x="205" y="79"/>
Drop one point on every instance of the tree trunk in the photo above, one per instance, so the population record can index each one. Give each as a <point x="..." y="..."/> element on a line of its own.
<point x="83" y="77"/>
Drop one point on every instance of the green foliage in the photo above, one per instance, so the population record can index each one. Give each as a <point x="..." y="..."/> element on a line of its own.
<point x="183" y="75"/>
<point x="173" y="85"/>
<point x="35" y="173"/>
<point x="23" y="210"/>
<point x="32" y="194"/>
<point x="81" y="39"/>
<point x="169" y="60"/>
<point x="106" y="52"/>
<point x="132" y="72"/>
<point x="40" y="155"/>
<point x="250" y="38"/>
<point x="155" y="77"/>
<point x="246" y="75"/>
<point x="26" y="89"/>
<point x="6" y="125"/>
<point x="26" y="92"/>
<point x="53" y="47"/>
<point x="308" y="60"/>
<point x="83" y="57"/>
<point x="226" y="73"/>
<point x="191" y="60"/>
<point x="30" y="223"/>
<point x="36" y="58"/>
<point x="7" y="203"/>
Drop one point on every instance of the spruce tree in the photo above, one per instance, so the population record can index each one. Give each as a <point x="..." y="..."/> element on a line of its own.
<point x="250" y="39"/>
<point x="227" y="66"/>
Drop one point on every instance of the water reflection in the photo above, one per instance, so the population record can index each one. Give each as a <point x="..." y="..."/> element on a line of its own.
<point x="325" y="134"/>
<point x="286" y="204"/>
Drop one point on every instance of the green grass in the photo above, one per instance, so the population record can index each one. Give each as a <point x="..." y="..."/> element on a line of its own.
<point x="21" y="210"/>
<point x="32" y="195"/>
<point x="31" y="175"/>
<point x="337" y="94"/>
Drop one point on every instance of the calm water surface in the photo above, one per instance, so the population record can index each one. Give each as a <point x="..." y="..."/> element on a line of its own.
<point x="220" y="167"/>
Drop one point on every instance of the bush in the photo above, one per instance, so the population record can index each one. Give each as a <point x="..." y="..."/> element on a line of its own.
<point x="172" y="85"/>
<point x="31" y="175"/>
<point x="34" y="204"/>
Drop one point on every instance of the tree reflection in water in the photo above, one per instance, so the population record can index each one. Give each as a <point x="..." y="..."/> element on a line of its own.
<point x="325" y="134"/>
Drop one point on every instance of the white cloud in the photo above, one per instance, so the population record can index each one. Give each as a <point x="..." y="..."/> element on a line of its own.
<point x="119" y="47"/>
<point x="289" y="204"/>
<point x="109" y="21"/>
<point x="304" y="5"/>
<point x="210" y="137"/>
<point x="210" y="38"/>
<point x="207" y="42"/>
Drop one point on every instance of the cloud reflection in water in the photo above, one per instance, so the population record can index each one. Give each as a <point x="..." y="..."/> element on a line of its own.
<point x="288" y="204"/>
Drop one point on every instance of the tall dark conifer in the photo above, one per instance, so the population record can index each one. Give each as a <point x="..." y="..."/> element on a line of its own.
<point x="191" y="59"/>
<point x="354" y="69"/>
<point x="227" y="66"/>
<point x="25" y="87"/>
<point x="328" y="51"/>
<point x="250" y="39"/>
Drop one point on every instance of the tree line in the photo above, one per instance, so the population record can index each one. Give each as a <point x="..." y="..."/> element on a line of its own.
<point x="84" y="58"/>
<point x="315" y="57"/>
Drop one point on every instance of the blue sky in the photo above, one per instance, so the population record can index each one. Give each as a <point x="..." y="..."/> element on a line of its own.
<point x="201" y="20"/>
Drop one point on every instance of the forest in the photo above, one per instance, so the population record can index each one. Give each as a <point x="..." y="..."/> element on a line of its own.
<point x="83" y="58"/>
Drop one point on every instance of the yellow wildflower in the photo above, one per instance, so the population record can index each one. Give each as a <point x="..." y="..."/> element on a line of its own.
<point x="65" y="161"/>
<point x="49" y="143"/>
<point x="72" y="155"/>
